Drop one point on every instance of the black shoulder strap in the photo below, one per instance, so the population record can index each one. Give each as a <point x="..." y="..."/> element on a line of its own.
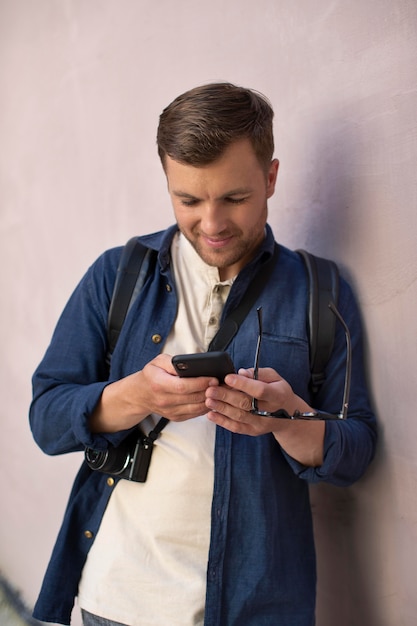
<point x="323" y="277"/>
<point x="233" y="321"/>
<point x="134" y="266"/>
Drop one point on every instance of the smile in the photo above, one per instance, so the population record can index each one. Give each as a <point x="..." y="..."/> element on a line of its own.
<point x="216" y="243"/>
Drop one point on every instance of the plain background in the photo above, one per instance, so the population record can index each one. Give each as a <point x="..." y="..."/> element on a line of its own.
<point x="82" y="84"/>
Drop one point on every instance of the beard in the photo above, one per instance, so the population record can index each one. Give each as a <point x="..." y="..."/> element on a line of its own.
<point x="240" y="251"/>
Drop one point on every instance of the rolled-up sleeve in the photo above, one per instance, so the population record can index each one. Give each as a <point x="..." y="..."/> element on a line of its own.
<point x="349" y="445"/>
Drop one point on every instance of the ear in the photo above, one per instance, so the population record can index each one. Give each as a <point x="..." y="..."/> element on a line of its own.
<point x="272" y="177"/>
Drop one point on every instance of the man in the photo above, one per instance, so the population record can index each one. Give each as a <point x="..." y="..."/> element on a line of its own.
<point x="220" y="533"/>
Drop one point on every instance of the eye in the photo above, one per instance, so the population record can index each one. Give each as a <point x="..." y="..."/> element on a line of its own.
<point x="236" y="200"/>
<point x="189" y="203"/>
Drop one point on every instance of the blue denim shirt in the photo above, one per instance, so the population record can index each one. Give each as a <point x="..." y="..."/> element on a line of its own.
<point x="261" y="567"/>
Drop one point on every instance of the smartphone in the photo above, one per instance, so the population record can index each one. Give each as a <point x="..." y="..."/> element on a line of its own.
<point x="217" y="364"/>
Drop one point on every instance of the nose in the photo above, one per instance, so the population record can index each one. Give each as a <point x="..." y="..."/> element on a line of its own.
<point x="213" y="218"/>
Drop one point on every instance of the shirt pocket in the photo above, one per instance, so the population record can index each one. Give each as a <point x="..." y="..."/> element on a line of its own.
<point x="289" y="356"/>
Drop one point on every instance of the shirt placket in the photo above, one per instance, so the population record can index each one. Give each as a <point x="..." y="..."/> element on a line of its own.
<point x="217" y="299"/>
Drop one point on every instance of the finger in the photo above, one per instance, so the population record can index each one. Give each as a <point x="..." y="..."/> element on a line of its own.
<point x="180" y="407"/>
<point x="225" y="422"/>
<point x="174" y="397"/>
<point x="229" y="396"/>
<point x="236" y="407"/>
<point x="265" y="375"/>
<point x="248" y="386"/>
<point x="163" y="361"/>
<point x="189" y="386"/>
<point x="248" y="425"/>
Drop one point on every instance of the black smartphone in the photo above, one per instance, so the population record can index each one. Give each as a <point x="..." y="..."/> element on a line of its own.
<point x="217" y="364"/>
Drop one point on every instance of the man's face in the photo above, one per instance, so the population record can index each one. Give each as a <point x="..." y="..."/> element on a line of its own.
<point x="221" y="208"/>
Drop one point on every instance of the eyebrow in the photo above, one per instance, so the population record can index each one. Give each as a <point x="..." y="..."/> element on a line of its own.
<point x="183" y="194"/>
<point x="240" y="191"/>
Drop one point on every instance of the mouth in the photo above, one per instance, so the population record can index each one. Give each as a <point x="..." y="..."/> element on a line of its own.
<point x="217" y="243"/>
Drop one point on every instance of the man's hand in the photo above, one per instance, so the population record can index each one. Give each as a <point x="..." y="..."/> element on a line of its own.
<point x="230" y="405"/>
<point x="155" y="389"/>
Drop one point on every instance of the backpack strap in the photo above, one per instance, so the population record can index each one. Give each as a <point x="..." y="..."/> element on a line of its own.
<point x="323" y="278"/>
<point x="134" y="266"/>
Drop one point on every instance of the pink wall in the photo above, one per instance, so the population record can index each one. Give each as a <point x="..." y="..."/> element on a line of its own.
<point x="82" y="83"/>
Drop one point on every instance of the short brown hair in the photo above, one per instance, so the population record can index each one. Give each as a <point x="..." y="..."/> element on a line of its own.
<point x="200" y="124"/>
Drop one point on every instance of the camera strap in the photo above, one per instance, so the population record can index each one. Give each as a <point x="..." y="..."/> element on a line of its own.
<point x="155" y="432"/>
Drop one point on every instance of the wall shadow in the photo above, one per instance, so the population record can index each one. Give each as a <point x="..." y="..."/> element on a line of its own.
<point x="347" y="550"/>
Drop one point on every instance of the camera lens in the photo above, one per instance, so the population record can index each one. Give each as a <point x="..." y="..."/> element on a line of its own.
<point x="111" y="461"/>
<point x="96" y="459"/>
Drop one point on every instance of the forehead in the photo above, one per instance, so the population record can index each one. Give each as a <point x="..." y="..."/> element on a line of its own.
<point x="238" y="166"/>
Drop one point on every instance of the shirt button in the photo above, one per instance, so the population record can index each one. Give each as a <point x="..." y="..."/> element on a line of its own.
<point x="156" y="338"/>
<point x="88" y="534"/>
<point x="110" y="482"/>
<point x="212" y="321"/>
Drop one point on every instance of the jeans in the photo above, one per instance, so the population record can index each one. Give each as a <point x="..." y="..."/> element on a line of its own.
<point x="94" y="620"/>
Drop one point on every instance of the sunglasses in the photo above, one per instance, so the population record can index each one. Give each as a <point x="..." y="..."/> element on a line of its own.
<point x="315" y="415"/>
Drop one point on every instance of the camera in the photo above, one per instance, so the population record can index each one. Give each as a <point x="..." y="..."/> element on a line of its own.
<point x="130" y="460"/>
